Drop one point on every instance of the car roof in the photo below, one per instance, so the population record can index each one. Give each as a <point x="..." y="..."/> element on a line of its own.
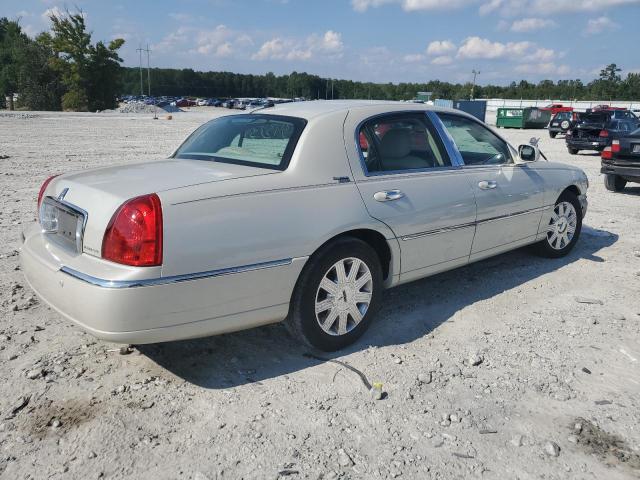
<point x="317" y="108"/>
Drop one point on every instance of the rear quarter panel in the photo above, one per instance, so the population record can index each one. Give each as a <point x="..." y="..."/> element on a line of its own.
<point x="273" y="217"/>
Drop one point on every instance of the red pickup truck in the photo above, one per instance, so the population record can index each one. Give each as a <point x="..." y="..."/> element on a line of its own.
<point x="557" y="108"/>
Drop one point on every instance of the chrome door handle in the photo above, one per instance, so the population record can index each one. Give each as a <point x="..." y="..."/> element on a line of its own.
<point x="388" y="195"/>
<point x="487" y="184"/>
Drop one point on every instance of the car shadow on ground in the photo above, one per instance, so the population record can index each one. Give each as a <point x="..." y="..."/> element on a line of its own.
<point x="408" y="312"/>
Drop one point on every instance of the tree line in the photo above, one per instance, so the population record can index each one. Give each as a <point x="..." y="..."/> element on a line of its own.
<point x="63" y="70"/>
<point x="187" y="82"/>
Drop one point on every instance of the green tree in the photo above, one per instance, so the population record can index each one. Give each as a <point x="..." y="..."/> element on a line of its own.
<point x="12" y="43"/>
<point x="91" y="73"/>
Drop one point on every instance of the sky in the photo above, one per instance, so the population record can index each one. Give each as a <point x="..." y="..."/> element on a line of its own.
<point x="367" y="40"/>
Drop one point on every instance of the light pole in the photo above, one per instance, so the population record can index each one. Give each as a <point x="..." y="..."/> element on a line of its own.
<point x="139" y="50"/>
<point x="473" y="85"/>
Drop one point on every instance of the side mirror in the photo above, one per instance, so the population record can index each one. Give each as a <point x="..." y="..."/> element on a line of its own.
<point x="528" y="153"/>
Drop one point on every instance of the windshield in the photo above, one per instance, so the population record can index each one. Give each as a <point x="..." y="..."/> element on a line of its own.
<point x="256" y="140"/>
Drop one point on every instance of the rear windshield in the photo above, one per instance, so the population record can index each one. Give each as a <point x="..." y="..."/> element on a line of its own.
<point x="256" y="140"/>
<point x="595" y="118"/>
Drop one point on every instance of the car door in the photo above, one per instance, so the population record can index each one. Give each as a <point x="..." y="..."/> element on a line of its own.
<point x="509" y="195"/>
<point x="408" y="181"/>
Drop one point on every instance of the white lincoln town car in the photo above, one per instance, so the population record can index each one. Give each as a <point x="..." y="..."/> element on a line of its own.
<point x="302" y="212"/>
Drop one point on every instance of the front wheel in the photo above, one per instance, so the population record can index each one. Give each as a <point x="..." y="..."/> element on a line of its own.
<point x="564" y="227"/>
<point x="573" y="151"/>
<point x="614" y="183"/>
<point x="336" y="296"/>
<point x="553" y="134"/>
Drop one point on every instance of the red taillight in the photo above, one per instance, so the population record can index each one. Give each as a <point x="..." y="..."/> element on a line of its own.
<point x="606" y="154"/>
<point x="604" y="133"/>
<point x="134" y="234"/>
<point x="43" y="188"/>
<point x="615" y="146"/>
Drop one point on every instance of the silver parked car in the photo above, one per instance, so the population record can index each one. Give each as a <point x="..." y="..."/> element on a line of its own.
<point x="302" y="212"/>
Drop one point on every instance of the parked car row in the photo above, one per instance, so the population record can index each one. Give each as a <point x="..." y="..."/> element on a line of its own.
<point x="232" y="103"/>
<point x="612" y="131"/>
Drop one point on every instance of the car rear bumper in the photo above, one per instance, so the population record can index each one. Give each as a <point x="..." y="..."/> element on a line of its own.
<point x="137" y="313"/>
<point x="623" y="171"/>
<point x="586" y="144"/>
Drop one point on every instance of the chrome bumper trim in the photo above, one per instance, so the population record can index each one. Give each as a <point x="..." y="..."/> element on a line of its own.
<point x="147" y="282"/>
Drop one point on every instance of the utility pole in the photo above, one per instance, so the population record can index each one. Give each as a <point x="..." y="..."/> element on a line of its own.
<point x="148" y="71"/>
<point x="473" y="85"/>
<point x="139" y="50"/>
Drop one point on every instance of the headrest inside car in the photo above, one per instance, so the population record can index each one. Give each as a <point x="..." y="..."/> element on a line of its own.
<point x="396" y="143"/>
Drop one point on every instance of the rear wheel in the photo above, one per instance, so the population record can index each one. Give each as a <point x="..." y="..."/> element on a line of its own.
<point x="614" y="183"/>
<point x="337" y="295"/>
<point x="573" y="151"/>
<point x="564" y="227"/>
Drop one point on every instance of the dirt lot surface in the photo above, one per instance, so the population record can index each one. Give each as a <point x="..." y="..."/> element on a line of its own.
<point x="512" y="368"/>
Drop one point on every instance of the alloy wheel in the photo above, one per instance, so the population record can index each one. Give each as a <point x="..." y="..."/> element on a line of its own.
<point x="344" y="296"/>
<point x="562" y="226"/>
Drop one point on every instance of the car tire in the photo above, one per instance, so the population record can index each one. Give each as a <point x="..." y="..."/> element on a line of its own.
<point x="614" y="183"/>
<point x="564" y="227"/>
<point x="312" y="304"/>
<point x="573" y="151"/>
<point x="553" y="134"/>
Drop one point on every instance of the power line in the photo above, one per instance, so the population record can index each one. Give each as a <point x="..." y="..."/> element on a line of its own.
<point x="140" y="50"/>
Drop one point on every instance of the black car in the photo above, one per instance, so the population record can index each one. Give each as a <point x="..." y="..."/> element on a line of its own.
<point x="562" y="122"/>
<point x="598" y="129"/>
<point x="621" y="162"/>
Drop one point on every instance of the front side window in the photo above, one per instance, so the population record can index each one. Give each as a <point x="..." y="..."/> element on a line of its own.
<point x="476" y="143"/>
<point x="265" y="141"/>
<point x="401" y="142"/>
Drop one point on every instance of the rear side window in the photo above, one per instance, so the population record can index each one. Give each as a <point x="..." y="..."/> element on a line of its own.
<point x="401" y="142"/>
<point x="476" y="143"/>
<point x="266" y="141"/>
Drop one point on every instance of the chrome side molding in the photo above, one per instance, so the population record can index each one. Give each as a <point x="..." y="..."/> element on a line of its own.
<point x="473" y="224"/>
<point x="147" y="282"/>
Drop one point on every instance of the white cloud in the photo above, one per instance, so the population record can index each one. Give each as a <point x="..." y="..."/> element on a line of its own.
<point x="411" y="5"/>
<point x="220" y="41"/>
<point x="482" y="48"/>
<point x="55" y="11"/>
<point x="504" y="7"/>
<point x="30" y="31"/>
<point x="547" y="7"/>
<point x="442" y="60"/>
<point x="532" y="24"/>
<point x="440" y="47"/>
<point x="328" y="45"/>
<point x="599" y="25"/>
<point x="364" y="5"/>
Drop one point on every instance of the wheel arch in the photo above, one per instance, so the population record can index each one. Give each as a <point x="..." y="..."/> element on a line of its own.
<point x="573" y="189"/>
<point x="376" y="240"/>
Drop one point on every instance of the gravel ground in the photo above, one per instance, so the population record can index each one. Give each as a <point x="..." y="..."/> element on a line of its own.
<point x="514" y="367"/>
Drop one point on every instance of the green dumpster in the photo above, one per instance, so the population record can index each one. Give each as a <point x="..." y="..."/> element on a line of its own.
<point x="530" y="117"/>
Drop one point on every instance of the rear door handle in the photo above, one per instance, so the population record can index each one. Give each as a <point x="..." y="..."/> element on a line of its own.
<point x="388" y="195"/>
<point x="487" y="184"/>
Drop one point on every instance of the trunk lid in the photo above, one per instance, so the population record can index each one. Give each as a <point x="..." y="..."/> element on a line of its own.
<point x="101" y="192"/>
